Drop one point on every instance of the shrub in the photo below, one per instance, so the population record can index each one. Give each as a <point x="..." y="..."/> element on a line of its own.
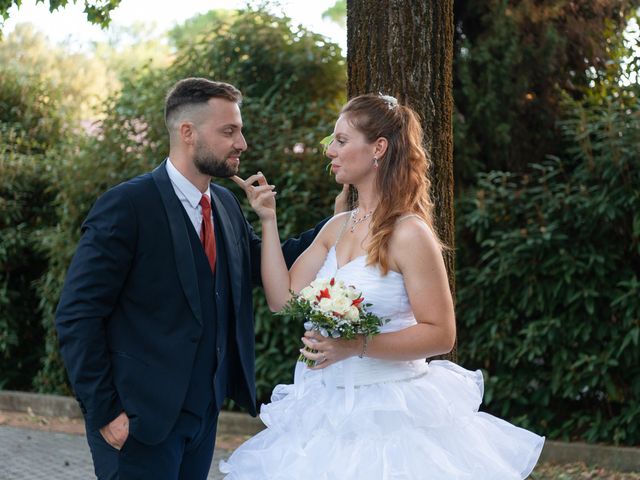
<point x="549" y="281"/>
<point x="24" y="211"/>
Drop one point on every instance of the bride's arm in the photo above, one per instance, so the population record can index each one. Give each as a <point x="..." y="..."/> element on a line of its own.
<point x="277" y="281"/>
<point x="417" y="255"/>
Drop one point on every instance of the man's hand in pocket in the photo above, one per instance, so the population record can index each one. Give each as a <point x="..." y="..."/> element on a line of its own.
<point x="116" y="432"/>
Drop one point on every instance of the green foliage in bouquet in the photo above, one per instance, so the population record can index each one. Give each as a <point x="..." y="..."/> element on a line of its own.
<point x="331" y="308"/>
<point x="303" y="311"/>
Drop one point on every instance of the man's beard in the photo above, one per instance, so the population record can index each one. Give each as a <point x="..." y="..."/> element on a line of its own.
<point x="209" y="164"/>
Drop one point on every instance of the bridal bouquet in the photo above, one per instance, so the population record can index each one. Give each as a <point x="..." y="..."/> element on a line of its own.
<point x="334" y="309"/>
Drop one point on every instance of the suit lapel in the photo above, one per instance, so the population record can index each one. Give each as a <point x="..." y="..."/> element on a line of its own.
<point x="232" y="245"/>
<point x="182" y="252"/>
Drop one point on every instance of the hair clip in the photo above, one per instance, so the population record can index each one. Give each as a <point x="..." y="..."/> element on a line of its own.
<point x="391" y="102"/>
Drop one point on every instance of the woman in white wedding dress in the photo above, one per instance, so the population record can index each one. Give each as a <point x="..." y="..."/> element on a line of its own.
<point x="373" y="408"/>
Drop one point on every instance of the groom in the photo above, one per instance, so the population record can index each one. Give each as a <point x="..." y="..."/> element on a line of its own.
<point x="155" y="319"/>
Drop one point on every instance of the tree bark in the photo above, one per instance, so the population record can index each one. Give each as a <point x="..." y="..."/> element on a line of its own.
<point x="404" y="48"/>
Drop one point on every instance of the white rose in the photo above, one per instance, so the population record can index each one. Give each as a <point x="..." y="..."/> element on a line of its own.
<point x="342" y="305"/>
<point x="352" y="293"/>
<point x="326" y="305"/>
<point x="353" y="314"/>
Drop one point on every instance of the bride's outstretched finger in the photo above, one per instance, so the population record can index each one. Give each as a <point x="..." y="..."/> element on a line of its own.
<point x="239" y="181"/>
<point x="258" y="178"/>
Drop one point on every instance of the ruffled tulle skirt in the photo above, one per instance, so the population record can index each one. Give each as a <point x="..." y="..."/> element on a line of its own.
<point x="426" y="426"/>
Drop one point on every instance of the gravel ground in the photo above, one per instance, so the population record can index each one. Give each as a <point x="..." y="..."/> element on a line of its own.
<point x="544" y="471"/>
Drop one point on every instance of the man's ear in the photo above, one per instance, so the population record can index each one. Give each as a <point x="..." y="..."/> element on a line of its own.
<point x="187" y="132"/>
<point x="380" y="147"/>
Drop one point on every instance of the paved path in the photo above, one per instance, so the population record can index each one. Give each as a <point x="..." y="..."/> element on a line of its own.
<point x="35" y="455"/>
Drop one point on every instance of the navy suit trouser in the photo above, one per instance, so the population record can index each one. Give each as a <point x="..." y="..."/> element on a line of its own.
<point x="185" y="454"/>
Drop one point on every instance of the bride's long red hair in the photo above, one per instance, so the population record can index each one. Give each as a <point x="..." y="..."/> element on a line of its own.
<point x="403" y="171"/>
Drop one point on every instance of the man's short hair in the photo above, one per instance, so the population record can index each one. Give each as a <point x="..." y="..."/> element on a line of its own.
<point x="196" y="91"/>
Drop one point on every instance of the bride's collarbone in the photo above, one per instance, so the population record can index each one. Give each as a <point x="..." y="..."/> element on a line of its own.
<point x="350" y="247"/>
<point x="347" y="250"/>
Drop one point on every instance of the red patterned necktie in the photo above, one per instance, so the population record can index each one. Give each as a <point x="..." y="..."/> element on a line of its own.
<point x="207" y="237"/>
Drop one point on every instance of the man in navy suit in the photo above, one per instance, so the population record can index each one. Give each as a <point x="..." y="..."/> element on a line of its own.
<point x="155" y="319"/>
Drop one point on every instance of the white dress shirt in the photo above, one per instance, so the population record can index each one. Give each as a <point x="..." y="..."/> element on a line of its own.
<point x="188" y="194"/>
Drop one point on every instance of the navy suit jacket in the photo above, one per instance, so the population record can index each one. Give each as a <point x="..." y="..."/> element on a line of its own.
<point x="129" y="317"/>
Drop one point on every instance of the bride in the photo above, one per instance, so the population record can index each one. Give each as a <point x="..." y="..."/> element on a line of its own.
<point x="371" y="407"/>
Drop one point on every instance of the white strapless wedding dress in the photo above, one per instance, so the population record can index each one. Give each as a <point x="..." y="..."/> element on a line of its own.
<point x="370" y="419"/>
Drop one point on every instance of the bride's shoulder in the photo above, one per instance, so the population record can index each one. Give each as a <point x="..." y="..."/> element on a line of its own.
<point x="339" y="221"/>
<point x="412" y="232"/>
<point x="331" y="230"/>
<point x="341" y="217"/>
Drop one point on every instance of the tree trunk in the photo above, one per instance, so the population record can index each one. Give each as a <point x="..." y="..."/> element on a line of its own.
<point x="404" y="48"/>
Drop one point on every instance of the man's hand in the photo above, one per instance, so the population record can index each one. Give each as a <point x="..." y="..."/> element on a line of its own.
<point x="116" y="432"/>
<point x="342" y="200"/>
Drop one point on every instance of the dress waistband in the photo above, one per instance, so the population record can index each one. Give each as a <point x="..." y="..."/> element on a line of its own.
<point x="359" y="372"/>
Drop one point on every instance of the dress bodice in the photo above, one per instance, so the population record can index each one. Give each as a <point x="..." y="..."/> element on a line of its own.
<point x="389" y="300"/>
<point x="386" y="294"/>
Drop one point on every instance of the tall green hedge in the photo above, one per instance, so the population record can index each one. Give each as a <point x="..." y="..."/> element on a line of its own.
<point x="549" y="281"/>
<point x="25" y="199"/>
<point x="35" y="114"/>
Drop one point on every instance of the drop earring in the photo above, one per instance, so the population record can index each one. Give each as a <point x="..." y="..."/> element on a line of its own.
<point x="375" y="162"/>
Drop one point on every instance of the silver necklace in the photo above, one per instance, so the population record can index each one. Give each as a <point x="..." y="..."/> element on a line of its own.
<point x="356" y="221"/>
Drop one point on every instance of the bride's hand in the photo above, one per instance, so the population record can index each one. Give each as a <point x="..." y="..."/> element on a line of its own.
<point x="341" y="203"/>
<point x="329" y="350"/>
<point x="262" y="196"/>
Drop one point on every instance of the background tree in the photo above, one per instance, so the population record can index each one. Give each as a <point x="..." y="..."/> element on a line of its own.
<point x="550" y="280"/>
<point x="405" y="49"/>
<point x="514" y="60"/>
<point x="293" y="85"/>
<point x="200" y="26"/>
<point x="41" y="105"/>
<point x="98" y="12"/>
<point x="549" y="260"/>
<point x="337" y="13"/>
<point x="129" y="48"/>
<point x="38" y="97"/>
